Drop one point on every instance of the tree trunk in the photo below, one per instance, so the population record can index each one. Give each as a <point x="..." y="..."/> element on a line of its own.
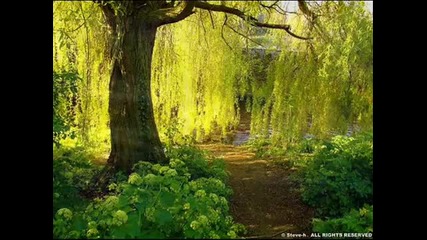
<point x="134" y="135"/>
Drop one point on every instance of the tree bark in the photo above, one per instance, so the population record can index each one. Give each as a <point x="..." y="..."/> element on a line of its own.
<point x="134" y="135"/>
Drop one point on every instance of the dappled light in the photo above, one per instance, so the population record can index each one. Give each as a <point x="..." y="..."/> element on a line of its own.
<point x="212" y="119"/>
<point x="262" y="193"/>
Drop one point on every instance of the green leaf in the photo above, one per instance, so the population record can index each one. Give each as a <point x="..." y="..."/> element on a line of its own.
<point x="79" y="223"/>
<point x="167" y="198"/>
<point x="163" y="217"/>
<point x="175" y="186"/>
<point x="132" y="226"/>
<point x="119" y="233"/>
<point x="152" y="234"/>
<point x="123" y="201"/>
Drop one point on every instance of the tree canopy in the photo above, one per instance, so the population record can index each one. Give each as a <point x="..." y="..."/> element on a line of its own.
<point x="200" y="70"/>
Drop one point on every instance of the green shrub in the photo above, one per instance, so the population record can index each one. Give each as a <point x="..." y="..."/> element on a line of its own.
<point x="265" y="148"/>
<point x="195" y="162"/>
<point x="308" y="145"/>
<point x="355" y="221"/>
<point x="260" y="146"/>
<point x="72" y="173"/>
<point x="339" y="177"/>
<point x="155" y="201"/>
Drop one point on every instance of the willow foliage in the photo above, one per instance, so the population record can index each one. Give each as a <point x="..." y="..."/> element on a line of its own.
<point x="202" y="67"/>
<point x="79" y="45"/>
<point x="320" y="87"/>
<point x="197" y="65"/>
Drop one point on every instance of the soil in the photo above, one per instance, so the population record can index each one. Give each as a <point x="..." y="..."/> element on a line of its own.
<point x="265" y="200"/>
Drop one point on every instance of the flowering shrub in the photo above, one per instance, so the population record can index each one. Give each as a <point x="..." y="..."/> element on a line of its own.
<point x="157" y="202"/>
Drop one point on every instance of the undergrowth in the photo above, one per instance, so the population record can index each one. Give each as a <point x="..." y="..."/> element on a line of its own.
<point x="335" y="177"/>
<point x="355" y="221"/>
<point x="339" y="177"/>
<point x="188" y="198"/>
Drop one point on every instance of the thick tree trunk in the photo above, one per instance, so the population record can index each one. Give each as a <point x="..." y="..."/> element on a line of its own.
<point x="134" y="135"/>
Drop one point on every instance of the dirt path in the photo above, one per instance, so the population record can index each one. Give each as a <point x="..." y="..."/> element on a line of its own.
<point x="264" y="198"/>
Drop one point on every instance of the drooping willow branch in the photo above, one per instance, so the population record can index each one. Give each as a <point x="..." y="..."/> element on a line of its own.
<point x="212" y="21"/>
<point x="302" y="5"/>
<point x="276" y="7"/>
<point x="204" y="29"/>
<point x="243" y="35"/>
<point x="225" y="24"/>
<point x="222" y="32"/>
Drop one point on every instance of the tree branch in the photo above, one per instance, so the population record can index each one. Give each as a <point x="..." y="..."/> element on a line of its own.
<point x="174" y="14"/>
<point x="276" y="8"/>
<point x="222" y="32"/>
<point x="282" y="11"/>
<point x="302" y="5"/>
<point x="204" y="29"/>
<point x="212" y="21"/>
<point x="271" y="6"/>
<point x="251" y="20"/>
<point x="108" y="13"/>
<point x="243" y="35"/>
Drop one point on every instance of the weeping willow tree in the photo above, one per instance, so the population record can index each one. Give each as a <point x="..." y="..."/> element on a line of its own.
<point x="80" y="46"/>
<point x="319" y="87"/>
<point x="197" y="65"/>
<point x="132" y="27"/>
<point x="139" y="74"/>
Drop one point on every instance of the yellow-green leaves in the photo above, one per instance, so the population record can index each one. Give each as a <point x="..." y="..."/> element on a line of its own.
<point x="80" y="45"/>
<point x="65" y="213"/>
<point x="135" y="179"/>
<point x="120" y="217"/>
<point x="194" y="77"/>
<point x="320" y="87"/>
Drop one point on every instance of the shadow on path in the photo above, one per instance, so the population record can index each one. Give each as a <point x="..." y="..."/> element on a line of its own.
<point x="264" y="198"/>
